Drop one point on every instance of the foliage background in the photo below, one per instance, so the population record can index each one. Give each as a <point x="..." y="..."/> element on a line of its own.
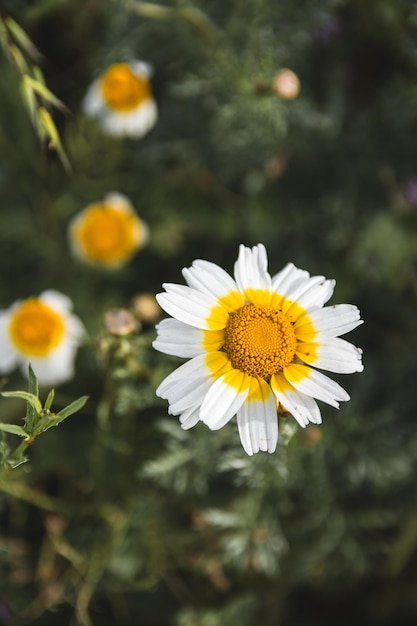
<point x="121" y="517"/>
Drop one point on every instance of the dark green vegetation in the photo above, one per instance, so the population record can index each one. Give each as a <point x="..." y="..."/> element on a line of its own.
<point x="120" y="517"/>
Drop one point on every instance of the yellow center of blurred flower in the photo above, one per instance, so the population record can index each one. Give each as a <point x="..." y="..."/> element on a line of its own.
<point x="107" y="234"/>
<point x="122" y="90"/>
<point x="259" y="340"/>
<point x="35" y="328"/>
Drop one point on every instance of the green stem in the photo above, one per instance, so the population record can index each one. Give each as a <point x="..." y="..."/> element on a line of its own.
<point x="23" y="492"/>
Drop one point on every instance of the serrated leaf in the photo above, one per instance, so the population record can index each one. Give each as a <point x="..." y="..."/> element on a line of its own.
<point x="25" y="395"/>
<point x="14" y="429"/>
<point x="72" y="408"/>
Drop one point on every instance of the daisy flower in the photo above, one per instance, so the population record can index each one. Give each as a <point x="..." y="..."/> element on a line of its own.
<point x="121" y="99"/>
<point x="253" y="342"/>
<point x="107" y="233"/>
<point x="41" y="332"/>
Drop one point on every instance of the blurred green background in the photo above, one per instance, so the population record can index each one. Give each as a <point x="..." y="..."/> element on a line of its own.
<point x="120" y="517"/>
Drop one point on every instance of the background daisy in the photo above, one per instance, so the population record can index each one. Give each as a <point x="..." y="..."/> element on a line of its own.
<point x="41" y="332"/>
<point x="252" y="342"/>
<point x="107" y="233"/>
<point x="121" y="99"/>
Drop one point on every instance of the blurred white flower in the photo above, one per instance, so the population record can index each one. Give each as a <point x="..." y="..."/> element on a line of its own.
<point x="41" y="332"/>
<point x="107" y="233"/>
<point x="121" y="99"/>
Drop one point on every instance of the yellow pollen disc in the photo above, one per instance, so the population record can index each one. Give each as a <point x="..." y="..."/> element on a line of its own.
<point x="259" y="340"/>
<point x="35" y="328"/>
<point x="105" y="234"/>
<point x="122" y="90"/>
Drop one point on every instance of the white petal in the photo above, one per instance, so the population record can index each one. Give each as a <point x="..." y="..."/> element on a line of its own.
<point x="179" y="339"/>
<point x="288" y="279"/>
<point x="75" y="329"/>
<point x="224" y="399"/>
<point x="258" y="423"/>
<point x="251" y="268"/>
<point x="331" y="321"/>
<point x="119" y="201"/>
<point x="334" y="355"/>
<point x="132" y="124"/>
<point x="313" y="293"/>
<point x="9" y="357"/>
<point x="209" y="278"/>
<point x="189" y="306"/>
<point x="193" y="393"/>
<point x="56" y="368"/>
<point x="190" y="417"/>
<point x="315" y="384"/>
<point x="56" y="300"/>
<point x="93" y="102"/>
<point x="189" y="374"/>
<point x="302" y="407"/>
<point x="141" y="68"/>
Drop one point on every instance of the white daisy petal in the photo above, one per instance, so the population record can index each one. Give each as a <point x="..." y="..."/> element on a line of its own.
<point x="75" y="329"/>
<point x="312" y="294"/>
<point x="142" y="68"/>
<point x="93" y="102"/>
<point x="331" y="321"/>
<point x="119" y="201"/>
<point x="190" y="306"/>
<point x="315" y="384"/>
<point x="190" y="417"/>
<point x="288" y="279"/>
<point x="332" y="354"/>
<point x="209" y="278"/>
<point x="224" y="399"/>
<point x="192" y="393"/>
<point x="134" y="123"/>
<point x="179" y="339"/>
<point x="257" y="422"/>
<point x="56" y="300"/>
<point x="303" y="407"/>
<point x="9" y="357"/>
<point x="189" y="374"/>
<point x="251" y="269"/>
<point x="57" y="368"/>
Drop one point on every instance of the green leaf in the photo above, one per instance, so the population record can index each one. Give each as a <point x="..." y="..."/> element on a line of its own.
<point x="33" y="388"/>
<point x="47" y="126"/>
<point x="42" y="90"/>
<point x="33" y="382"/>
<point x="49" y="400"/>
<point x="14" y="430"/>
<point x="72" y="408"/>
<point x="22" y="39"/>
<point x="25" y="395"/>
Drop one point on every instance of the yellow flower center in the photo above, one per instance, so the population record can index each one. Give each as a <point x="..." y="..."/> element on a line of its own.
<point x="122" y="90"/>
<point x="107" y="234"/>
<point x="35" y="329"/>
<point x="259" y="340"/>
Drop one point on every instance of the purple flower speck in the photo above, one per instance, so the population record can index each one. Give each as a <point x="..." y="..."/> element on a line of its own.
<point x="410" y="191"/>
<point x="329" y="30"/>
<point x="5" y="614"/>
